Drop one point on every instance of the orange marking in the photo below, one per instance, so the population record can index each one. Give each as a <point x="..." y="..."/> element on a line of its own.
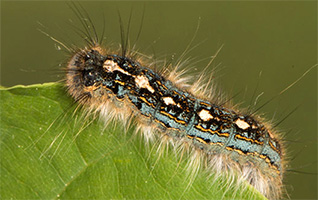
<point x="213" y="132"/>
<point x="239" y="151"/>
<point x="189" y="136"/>
<point x="163" y="124"/>
<point x="172" y="117"/>
<point x="145" y="100"/>
<point x="120" y="82"/>
<point x="159" y="83"/>
<point x="201" y="140"/>
<point x="229" y="148"/>
<point x="219" y="143"/>
<point x="275" y="149"/>
<point x="202" y="103"/>
<point x="247" y="139"/>
<point x="262" y="156"/>
<point x="160" y="122"/>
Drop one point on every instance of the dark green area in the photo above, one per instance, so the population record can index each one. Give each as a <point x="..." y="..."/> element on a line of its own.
<point x="48" y="151"/>
<point x="276" y="38"/>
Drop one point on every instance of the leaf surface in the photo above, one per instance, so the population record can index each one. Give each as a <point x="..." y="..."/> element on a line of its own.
<point x="50" y="151"/>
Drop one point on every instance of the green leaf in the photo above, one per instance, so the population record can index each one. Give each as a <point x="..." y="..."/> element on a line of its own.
<point x="49" y="151"/>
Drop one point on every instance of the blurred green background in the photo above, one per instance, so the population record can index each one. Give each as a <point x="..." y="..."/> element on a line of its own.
<point x="278" y="39"/>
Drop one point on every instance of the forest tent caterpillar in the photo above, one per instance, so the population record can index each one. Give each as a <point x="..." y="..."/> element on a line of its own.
<point x="119" y="84"/>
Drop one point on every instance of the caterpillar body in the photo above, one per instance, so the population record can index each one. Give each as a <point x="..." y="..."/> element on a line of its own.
<point x="228" y="141"/>
<point x="125" y="86"/>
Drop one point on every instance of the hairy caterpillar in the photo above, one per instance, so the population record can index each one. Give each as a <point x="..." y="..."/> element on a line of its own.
<point x="121" y="85"/>
<point x="299" y="118"/>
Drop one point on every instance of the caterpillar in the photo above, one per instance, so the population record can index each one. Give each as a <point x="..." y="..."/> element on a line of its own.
<point x="122" y="85"/>
<point x="118" y="87"/>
